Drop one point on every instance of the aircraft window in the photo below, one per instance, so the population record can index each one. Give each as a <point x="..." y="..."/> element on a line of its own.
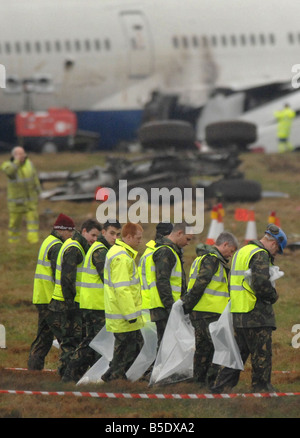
<point x="233" y="40"/>
<point x="243" y="40"/>
<point x="48" y="46"/>
<point x="204" y="41"/>
<point x="87" y="45"/>
<point x="272" y="38"/>
<point x="7" y="48"/>
<point x="185" y="42"/>
<point x="214" y="40"/>
<point x="38" y="46"/>
<point x="18" y="47"/>
<point x="291" y="38"/>
<point x="195" y="41"/>
<point x="252" y="39"/>
<point x="77" y="45"/>
<point x="262" y="39"/>
<point x="175" y="42"/>
<point x="97" y="44"/>
<point x="68" y="46"/>
<point x="27" y="47"/>
<point x="107" y="44"/>
<point x="57" y="46"/>
<point x="224" y="40"/>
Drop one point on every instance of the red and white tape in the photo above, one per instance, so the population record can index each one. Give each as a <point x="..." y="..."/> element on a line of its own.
<point x="53" y="371"/>
<point x="46" y="370"/>
<point x="150" y="396"/>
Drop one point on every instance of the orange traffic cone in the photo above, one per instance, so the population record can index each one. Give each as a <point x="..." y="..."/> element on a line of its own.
<point x="251" y="231"/>
<point x="273" y="219"/>
<point x="213" y="228"/>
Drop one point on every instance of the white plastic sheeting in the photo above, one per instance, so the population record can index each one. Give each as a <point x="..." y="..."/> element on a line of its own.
<point x="175" y="356"/>
<point x="226" y="352"/>
<point x="104" y="342"/>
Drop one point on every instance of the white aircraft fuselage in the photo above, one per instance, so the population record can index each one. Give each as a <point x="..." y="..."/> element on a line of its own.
<point x="103" y="58"/>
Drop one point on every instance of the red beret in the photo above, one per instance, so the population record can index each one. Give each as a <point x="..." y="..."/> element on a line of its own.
<point x="64" y="222"/>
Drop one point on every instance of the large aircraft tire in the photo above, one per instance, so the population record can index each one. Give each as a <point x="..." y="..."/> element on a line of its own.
<point x="167" y="133"/>
<point x="235" y="190"/>
<point x="227" y="133"/>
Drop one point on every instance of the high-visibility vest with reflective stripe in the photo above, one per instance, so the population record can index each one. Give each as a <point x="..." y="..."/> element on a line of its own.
<point x="122" y="289"/>
<point x="58" y="293"/>
<point x="242" y="296"/>
<point x="285" y="118"/>
<point x="24" y="186"/>
<point x="43" y="285"/>
<point x="175" y="281"/>
<point x="144" y="270"/>
<point x="216" y="295"/>
<point x="91" y="286"/>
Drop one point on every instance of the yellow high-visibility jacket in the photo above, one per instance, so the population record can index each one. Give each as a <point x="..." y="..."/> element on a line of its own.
<point x="284" y="118"/>
<point x="216" y="295"/>
<point x="242" y="296"/>
<point x="58" y="293"/>
<point x="144" y="270"/>
<point x="43" y="285"/>
<point x="23" y="185"/>
<point x="122" y="290"/>
<point x="91" y="286"/>
<point x="175" y="281"/>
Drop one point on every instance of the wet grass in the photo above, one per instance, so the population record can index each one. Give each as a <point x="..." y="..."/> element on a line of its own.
<point x="18" y="315"/>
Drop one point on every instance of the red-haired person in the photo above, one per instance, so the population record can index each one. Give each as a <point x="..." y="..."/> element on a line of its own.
<point x="123" y="301"/>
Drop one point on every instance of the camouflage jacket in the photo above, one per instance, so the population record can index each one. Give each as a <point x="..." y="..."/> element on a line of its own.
<point x="164" y="261"/>
<point x="208" y="268"/>
<point x="263" y="314"/>
<point x="99" y="256"/>
<point x="71" y="259"/>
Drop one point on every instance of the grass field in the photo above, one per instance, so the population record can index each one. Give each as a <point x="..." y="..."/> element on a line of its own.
<point x="18" y="315"/>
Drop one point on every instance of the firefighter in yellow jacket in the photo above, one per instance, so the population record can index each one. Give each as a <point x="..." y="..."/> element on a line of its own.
<point x="123" y="301"/>
<point x="23" y="191"/>
<point x="207" y="297"/>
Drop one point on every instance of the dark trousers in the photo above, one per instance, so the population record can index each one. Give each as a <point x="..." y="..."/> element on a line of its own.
<point x="257" y="343"/>
<point x="127" y="347"/>
<point x="43" y="341"/>
<point x="84" y="356"/>
<point x="66" y="324"/>
<point x="205" y="371"/>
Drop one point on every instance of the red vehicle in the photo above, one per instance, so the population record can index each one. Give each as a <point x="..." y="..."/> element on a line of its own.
<point x="46" y="131"/>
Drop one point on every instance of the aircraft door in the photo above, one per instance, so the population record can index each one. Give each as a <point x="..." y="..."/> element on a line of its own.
<point x="139" y="44"/>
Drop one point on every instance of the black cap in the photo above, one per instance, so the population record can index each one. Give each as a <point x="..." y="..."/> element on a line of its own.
<point x="164" y="228"/>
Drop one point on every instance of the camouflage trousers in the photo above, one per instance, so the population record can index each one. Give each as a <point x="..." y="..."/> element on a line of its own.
<point x="66" y="325"/>
<point x="205" y="371"/>
<point x="257" y="343"/>
<point x="43" y="341"/>
<point x="85" y="356"/>
<point x="127" y="347"/>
